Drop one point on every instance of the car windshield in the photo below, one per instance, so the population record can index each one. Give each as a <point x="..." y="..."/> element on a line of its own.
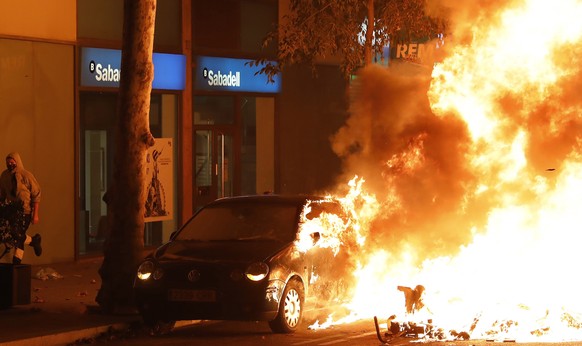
<point x="243" y="220"/>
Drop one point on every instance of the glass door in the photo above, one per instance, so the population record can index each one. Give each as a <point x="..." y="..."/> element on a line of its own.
<point x="214" y="118"/>
<point x="214" y="169"/>
<point x="224" y="165"/>
<point x="95" y="168"/>
<point x="234" y="146"/>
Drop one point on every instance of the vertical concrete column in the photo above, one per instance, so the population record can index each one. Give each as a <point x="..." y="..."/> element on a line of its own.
<point x="185" y="135"/>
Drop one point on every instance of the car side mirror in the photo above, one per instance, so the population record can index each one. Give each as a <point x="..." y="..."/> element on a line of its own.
<point x="315" y="236"/>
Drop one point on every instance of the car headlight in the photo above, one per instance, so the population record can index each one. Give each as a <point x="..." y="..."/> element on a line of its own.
<point x="257" y="271"/>
<point x="148" y="269"/>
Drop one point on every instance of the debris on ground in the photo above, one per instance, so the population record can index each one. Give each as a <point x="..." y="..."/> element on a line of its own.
<point x="113" y="334"/>
<point x="47" y="274"/>
<point x="413" y="301"/>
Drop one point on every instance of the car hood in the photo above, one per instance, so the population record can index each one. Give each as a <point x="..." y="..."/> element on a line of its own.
<point x="236" y="251"/>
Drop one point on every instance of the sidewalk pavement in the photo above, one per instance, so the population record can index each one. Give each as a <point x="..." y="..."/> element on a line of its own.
<point x="62" y="309"/>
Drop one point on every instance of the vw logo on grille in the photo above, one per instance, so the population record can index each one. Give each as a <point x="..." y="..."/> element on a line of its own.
<point x="193" y="275"/>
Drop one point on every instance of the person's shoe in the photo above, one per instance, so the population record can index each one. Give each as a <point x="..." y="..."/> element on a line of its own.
<point x="35" y="243"/>
<point x="16" y="260"/>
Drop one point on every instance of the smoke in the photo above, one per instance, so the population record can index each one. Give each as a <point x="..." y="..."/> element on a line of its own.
<point x="555" y="124"/>
<point x="463" y="16"/>
<point x="410" y="159"/>
<point x="418" y="163"/>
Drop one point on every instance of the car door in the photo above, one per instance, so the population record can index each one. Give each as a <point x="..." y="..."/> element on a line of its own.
<point x="330" y="269"/>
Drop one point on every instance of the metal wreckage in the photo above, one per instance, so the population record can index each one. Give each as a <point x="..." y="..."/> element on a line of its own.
<point x="397" y="329"/>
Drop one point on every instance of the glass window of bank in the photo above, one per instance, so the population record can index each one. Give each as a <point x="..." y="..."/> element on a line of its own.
<point x="233" y="130"/>
<point x="100" y="24"/>
<point x="96" y="152"/>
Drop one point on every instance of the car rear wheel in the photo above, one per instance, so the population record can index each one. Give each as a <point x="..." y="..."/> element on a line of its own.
<point x="290" y="309"/>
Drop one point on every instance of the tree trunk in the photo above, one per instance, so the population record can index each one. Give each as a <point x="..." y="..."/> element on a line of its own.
<point x="369" y="34"/>
<point x="123" y="249"/>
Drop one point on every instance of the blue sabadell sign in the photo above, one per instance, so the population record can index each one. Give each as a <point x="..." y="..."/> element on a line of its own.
<point x="102" y="68"/>
<point x="229" y="74"/>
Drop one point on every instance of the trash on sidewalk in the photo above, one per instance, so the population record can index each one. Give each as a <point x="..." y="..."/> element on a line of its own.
<point x="47" y="274"/>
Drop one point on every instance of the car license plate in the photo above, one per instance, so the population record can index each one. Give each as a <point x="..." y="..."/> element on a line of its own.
<point x="176" y="295"/>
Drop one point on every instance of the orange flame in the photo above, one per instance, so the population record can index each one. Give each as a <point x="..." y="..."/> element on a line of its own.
<point x="330" y="227"/>
<point x="515" y="87"/>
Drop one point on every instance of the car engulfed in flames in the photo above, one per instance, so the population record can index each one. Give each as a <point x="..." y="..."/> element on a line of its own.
<point x="244" y="258"/>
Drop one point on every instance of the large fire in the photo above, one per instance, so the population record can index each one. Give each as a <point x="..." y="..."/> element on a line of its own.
<point x="473" y="178"/>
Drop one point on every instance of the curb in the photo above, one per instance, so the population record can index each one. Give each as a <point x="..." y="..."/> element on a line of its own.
<point x="69" y="337"/>
<point x="77" y="336"/>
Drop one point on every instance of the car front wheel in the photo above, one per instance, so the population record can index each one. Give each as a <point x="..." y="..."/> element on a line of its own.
<point x="290" y="309"/>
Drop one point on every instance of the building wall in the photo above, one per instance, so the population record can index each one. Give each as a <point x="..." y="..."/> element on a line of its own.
<point x="40" y="19"/>
<point x="37" y="112"/>
<point x="37" y="120"/>
<point x="265" y="145"/>
<point x="101" y="22"/>
<point x="311" y="109"/>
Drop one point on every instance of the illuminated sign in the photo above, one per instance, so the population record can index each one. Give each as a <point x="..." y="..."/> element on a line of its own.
<point x="102" y="68"/>
<point x="425" y="52"/>
<point x="228" y="74"/>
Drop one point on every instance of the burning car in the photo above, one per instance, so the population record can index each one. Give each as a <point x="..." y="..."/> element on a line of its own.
<point x="256" y="258"/>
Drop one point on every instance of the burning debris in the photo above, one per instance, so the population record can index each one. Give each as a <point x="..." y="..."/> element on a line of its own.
<point x="409" y="329"/>
<point x="413" y="298"/>
<point x="413" y="301"/>
<point x="476" y="168"/>
<point x="394" y="329"/>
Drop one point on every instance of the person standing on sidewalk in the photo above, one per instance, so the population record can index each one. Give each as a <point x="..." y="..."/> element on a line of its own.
<point x="19" y="187"/>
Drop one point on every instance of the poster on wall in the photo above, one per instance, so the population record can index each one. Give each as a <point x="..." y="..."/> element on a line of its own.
<point x="159" y="173"/>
